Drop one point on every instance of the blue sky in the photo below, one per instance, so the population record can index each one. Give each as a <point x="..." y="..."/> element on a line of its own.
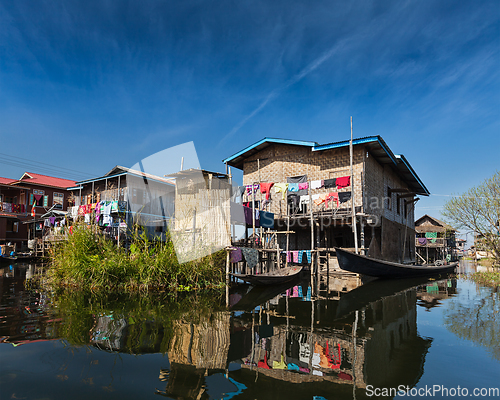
<point x="87" y="85"/>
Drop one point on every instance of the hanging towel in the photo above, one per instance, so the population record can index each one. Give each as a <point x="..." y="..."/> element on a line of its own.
<point x="263" y="364"/>
<point x="249" y="189"/>
<point x="344" y="196"/>
<point x="289" y="256"/>
<point x="295" y="256"/>
<point x="330" y="183"/>
<point x="321" y="198"/>
<point x="293" y="367"/>
<point x="281" y="364"/>
<point x="266" y="188"/>
<point x="236" y="255"/>
<point x="317" y="184"/>
<point x="281" y="187"/>
<point x="308" y="254"/>
<point x="298" y="179"/>
<point x="431" y="235"/>
<point x="251" y="256"/>
<point x="303" y="186"/>
<point x="303" y="200"/>
<point x="343" y="182"/>
<point x="293" y="187"/>
<point x="52" y="221"/>
<point x="266" y="219"/>
<point x="334" y="197"/>
<point x="422" y="241"/>
<point x="301" y="253"/>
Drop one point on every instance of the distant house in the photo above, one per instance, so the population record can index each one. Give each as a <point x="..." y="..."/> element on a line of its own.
<point x="146" y="200"/>
<point x="27" y="198"/>
<point x="434" y="239"/>
<point x="383" y="190"/>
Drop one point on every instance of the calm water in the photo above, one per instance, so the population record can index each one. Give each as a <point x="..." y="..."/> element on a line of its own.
<point x="331" y="339"/>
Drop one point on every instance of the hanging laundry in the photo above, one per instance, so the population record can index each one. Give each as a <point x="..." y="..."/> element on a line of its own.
<point x="114" y="206"/>
<point x="295" y="256"/>
<point x="333" y="197"/>
<point x="293" y="367"/>
<point x="301" y="253"/>
<point x="330" y="183"/>
<point x="343" y="182"/>
<point x="289" y="256"/>
<point x="236" y="255"/>
<point x="298" y="179"/>
<point x="46" y="222"/>
<point x="52" y="221"/>
<point x="237" y="213"/>
<point x="303" y="200"/>
<point x="422" y="241"/>
<point x="264" y="364"/>
<point x="303" y="186"/>
<point x="265" y="188"/>
<point x="320" y="199"/>
<point x="293" y="187"/>
<point x="308" y="255"/>
<point x="266" y="219"/>
<point x="317" y="184"/>
<point x="251" y="256"/>
<point x="344" y="196"/>
<point x="281" y="187"/>
<point x="281" y="364"/>
<point x="249" y="189"/>
<point x="87" y="218"/>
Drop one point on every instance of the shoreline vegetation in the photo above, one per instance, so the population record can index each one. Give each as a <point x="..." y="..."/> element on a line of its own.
<point x="491" y="278"/>
<point x="90" y="261"/>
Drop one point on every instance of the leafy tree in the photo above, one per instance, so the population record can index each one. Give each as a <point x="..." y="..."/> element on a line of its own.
<point x="478" y="209"/>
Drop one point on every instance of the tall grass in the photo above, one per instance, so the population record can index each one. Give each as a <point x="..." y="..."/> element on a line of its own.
<point x="89" y="260"/>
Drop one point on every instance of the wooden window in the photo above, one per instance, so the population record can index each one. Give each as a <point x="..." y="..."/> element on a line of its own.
<point x="58" y="200"/>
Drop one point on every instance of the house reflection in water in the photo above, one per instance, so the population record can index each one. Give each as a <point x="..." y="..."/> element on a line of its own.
<point x="330" y="337"/>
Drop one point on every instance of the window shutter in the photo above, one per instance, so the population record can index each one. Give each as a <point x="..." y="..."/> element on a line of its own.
<point x="31" y="198"/>
<point x="45" y="201"/>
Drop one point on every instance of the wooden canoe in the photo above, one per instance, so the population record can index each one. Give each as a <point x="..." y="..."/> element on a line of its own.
<point x="276" y="277"/>
<point x="385" y="269"/>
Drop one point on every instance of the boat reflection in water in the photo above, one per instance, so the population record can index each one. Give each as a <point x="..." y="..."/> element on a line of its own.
<point x="334" y="337"/>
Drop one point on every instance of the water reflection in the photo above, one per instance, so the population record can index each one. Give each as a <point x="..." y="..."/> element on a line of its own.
<point x="331" y="336"/>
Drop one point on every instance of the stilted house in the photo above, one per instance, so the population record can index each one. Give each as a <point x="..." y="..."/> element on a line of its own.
<point x="310" y="190"/>
<point x="26" y="199"/>
<point x="126" y="197"/>
<point x="434" y="240"/>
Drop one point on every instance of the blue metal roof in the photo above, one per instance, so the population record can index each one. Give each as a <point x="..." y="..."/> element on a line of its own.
<point x="254" y="148"/>
<point x="375" y="144"/>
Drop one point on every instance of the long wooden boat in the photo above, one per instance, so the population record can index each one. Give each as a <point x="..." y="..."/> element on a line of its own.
<point x="276" y="277"/>
<point x="385" y="269"/>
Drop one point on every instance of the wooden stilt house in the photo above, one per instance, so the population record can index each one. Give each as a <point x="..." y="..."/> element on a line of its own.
<point x="313" y="194"/>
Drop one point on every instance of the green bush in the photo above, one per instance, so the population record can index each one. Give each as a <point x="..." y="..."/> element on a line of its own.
<point x="89" y="260"/>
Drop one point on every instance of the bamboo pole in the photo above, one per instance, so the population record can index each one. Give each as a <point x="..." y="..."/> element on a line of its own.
<point x="227" y="277"/>
<point x="354" y="228"/>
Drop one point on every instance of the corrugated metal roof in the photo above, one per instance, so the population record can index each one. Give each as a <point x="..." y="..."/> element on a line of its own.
<point x="45" y="180"/>
<point x="375" y="144"/>
<point x="6" y="181"/>
<point x="236" y="160"/>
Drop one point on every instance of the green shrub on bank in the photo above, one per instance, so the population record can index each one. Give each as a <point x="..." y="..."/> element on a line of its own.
<point x="89" y="260"/>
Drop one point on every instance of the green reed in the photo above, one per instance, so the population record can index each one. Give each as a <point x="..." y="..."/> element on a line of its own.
<point x="89" y="260"/>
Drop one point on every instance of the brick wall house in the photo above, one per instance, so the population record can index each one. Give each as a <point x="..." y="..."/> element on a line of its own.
<point x="384" y="187"/>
